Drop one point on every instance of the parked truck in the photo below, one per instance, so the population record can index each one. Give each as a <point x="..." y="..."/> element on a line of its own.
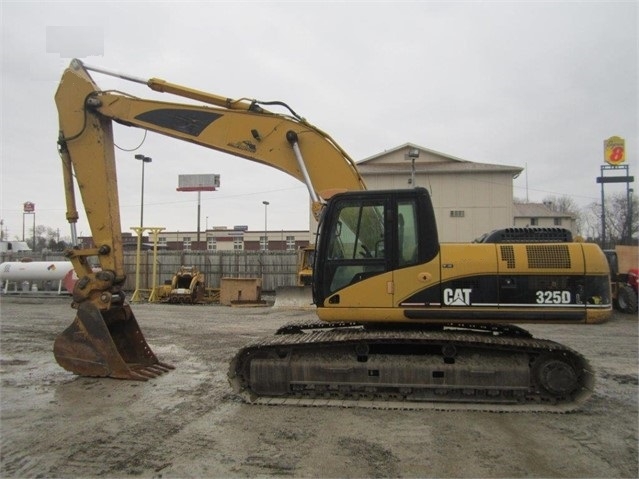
<point x="13" y="246"/>
<point x="623" y="279"/>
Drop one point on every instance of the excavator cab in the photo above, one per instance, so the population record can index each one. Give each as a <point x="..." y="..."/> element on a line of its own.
<point x="372" y="233"/>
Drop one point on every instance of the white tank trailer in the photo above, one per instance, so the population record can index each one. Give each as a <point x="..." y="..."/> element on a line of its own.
<point x="28" y="274"/>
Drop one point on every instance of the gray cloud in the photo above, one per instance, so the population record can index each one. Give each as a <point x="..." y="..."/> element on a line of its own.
<point x="540" y="84"/>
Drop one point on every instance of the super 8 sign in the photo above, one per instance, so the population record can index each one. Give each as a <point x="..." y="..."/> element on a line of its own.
<point x="614" y="150"/>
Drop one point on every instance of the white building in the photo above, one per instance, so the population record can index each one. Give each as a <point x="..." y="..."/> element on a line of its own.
<point x="539" y="214"/>
<point x="469" y="198"/>
<point x="235" y="239"/>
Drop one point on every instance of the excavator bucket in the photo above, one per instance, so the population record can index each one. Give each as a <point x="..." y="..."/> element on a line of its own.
<point x="107" y="344"/>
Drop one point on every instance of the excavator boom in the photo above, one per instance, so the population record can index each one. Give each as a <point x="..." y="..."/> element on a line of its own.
<point x="237" y="127"/>
<point x="104" y="339"/>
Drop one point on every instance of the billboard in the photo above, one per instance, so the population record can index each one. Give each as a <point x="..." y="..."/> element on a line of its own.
<point x="208" y="182"/>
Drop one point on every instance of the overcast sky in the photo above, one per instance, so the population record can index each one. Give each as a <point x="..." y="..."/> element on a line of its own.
<point x="536" y="84"/>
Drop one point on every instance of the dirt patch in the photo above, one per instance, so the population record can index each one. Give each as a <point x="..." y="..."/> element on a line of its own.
<point x="188" y="423"/>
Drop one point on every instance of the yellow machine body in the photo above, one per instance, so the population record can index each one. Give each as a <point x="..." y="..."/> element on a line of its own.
<point x="378" y="262"/>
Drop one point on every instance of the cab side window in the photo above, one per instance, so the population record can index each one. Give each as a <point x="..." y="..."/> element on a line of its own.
<point x="407" y="234"/>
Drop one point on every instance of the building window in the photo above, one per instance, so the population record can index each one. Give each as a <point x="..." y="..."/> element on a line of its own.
<point x="162" y="240"/>
<point x="457" y="213"/>
<point x="186" y="243"/>
<point x="557" y="221"/>
<point x="211" y="244"/>
<point x="290" y="243"/>
<point x="534" y="221"/>
<point x="263" y="243"/>
<point x="238" y="244"/>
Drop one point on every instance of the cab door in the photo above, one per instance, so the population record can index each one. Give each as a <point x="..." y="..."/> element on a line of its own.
<point x="354" y="268"/>
<point x="416" y="276"/>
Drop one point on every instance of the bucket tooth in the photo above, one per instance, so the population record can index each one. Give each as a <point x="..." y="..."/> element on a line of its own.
<point x="107" y="344"/>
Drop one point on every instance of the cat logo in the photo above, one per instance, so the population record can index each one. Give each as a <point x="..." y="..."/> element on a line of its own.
<point x="457" y="297"/>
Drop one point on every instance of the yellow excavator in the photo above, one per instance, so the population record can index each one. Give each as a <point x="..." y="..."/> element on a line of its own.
<point x="403" y="318"/>
<point x="305" y="260"/>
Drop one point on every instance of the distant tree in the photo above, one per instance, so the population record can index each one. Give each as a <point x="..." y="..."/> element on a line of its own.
<point x="561" y="204"/>
<point x="622" y="225"/>
<point x="54" y="245"/>
<point x="566" y="205"/>
<point x="46" y="238"/>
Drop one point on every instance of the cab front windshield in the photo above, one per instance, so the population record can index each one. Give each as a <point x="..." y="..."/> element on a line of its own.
<point x="356" y="248"/>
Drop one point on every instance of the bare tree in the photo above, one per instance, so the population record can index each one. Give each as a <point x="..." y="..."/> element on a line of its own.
<point x="621" y="220"/>
<point x="561" y="204"/>
<point x="566" y="205"/>
<point x="47" y="238"/>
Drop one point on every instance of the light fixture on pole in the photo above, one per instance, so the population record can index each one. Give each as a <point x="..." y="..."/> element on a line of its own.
<point x="265" y="203"/>
<point x="144" y="159"/>
<point x="412" y="155"/>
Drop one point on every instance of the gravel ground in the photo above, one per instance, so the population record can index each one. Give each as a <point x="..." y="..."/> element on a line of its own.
<point x="188" y="423"/>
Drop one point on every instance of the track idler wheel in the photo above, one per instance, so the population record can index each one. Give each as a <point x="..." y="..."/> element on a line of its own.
<point x="556" y="375"/>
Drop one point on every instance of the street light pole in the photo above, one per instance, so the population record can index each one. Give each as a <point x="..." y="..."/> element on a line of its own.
<point x="140" y="232"/>
<point x="144" y="159"/>
<point x="265" y="203"/>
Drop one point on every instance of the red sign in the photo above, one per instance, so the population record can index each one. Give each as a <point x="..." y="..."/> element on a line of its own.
<point x="28" y="207"/>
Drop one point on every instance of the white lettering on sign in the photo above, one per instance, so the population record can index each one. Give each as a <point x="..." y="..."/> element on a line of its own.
<point x="457" y="297"/>
<point x="553" y="297"/>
